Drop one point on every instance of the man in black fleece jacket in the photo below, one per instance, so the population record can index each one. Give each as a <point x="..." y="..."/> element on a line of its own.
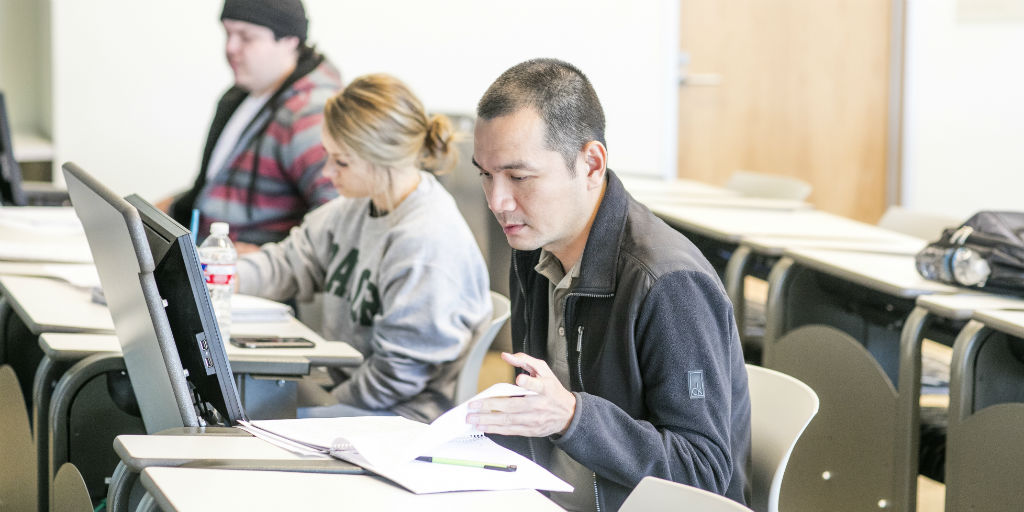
<point x="620" y="325"/>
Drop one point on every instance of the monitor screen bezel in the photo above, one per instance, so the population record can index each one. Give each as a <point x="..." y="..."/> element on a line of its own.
<point x="195" y="305"/>
<point x="114" y="227"/>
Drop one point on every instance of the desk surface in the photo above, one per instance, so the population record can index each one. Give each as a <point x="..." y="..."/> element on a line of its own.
<point x="31" y="147"/>
<point x="893" y="274"/>
<point x="735" y="224"/>
<point x="54" y="306"/>
<point x="65" y="346"/>
<point x="887" y="243"/>
<point x="139" y="451"/>
<point x="53" y="234"/>
<point x="186" y="490"/>
<point x="656" y="202"/>
<point x="961" y="306"/>
<point x="1008" y="321"/>
<point x="50" y="305"/>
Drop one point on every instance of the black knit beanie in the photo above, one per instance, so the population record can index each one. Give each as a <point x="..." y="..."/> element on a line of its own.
<point x="283" y="17"/>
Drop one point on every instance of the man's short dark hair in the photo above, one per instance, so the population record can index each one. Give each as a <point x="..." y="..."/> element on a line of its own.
<point x="561" y="95"/>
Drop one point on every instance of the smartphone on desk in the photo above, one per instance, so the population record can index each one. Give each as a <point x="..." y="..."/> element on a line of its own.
<point x="271" y="342"/>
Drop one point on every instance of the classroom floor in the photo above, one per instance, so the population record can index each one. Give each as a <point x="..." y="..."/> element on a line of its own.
<point x="931" y="495"/>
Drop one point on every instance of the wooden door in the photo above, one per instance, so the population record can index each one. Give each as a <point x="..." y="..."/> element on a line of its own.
<point x="791" y="87"/>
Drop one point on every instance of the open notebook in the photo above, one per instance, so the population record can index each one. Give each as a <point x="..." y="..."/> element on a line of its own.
<point x="389" y="446"/>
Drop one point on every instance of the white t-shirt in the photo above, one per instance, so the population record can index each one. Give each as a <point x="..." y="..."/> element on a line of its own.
<point x="228" y="139"/>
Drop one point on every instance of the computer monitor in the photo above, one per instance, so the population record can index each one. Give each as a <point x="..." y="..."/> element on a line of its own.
<point x="11" y="192"/>
<point x="154" y="287"/>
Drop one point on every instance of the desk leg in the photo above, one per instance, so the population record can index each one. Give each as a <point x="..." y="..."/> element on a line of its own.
<point x="961" y="405"/>
<point x="121" y="484"/>
<point x="5" y="313"/>
<point x="149" y="504"/>
<point x="42" y="388"/>
<point x="778" y="288"/>
<point x="19" y="348"/>
<point x="961" y="373"/>
<point x="908" y="411"/>
<point x="735" y="271"/>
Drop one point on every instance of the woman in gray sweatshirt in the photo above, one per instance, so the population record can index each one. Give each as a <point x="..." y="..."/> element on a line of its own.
<point x="402" y="278"/>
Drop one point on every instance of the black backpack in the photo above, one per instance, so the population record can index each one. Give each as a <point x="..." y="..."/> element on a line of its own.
<point x="986" y="253"/>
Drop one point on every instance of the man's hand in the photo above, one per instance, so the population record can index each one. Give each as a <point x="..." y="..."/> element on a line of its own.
<point x="548" y="412"/>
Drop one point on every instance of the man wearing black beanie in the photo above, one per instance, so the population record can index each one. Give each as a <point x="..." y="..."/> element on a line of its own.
<point x="261" y="165"/>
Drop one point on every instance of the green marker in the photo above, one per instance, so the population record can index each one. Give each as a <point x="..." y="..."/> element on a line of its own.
<point x="468" y="463"/>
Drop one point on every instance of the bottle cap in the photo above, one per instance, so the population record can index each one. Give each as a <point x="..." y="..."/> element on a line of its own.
<point x="219" y="228"/>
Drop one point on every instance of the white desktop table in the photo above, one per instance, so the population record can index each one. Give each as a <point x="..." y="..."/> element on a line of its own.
<point x="658" y="204"/>
<point x="893" y="274"/>
<point x="883" y="241"/>
<point x="141" y="451"/>
<point x="733" y="222"/>
<point x="834" y="321"/>
<point x="188" y="490"/>
<point x="52" y="305"/>
<point x="225" y="448"/>
<point x="962" y="306"/>
<point x="756" y="254"/>
<point x="47" y="233"/>
<point x="264" y="361"/>
<point x="985" y="441"/>
<point x="721" y="234"/>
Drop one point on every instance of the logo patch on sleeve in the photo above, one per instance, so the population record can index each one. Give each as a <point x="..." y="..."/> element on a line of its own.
<point x="696" y="381"/>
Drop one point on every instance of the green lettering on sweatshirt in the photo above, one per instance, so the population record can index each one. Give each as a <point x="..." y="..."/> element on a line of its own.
<point x="365" y="301"/>
<point x="337" y="283"/>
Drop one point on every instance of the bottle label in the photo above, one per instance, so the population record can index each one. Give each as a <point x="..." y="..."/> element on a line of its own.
<point x="218" y="274"/>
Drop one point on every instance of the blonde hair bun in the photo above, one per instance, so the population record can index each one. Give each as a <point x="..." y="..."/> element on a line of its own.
<point x="439" y="155"/>
<point x="378" y="117"/>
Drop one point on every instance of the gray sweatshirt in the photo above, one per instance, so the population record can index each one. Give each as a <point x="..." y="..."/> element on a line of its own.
<point x="408" y="289"/>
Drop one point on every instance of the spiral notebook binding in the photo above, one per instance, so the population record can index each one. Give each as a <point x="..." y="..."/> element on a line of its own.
<point x="342" y="445"/>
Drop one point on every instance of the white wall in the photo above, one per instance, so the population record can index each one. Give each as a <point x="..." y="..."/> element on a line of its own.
<point x="135" y="82"/>
<point x="963" y="111"/>
<point x="23" y="66"/>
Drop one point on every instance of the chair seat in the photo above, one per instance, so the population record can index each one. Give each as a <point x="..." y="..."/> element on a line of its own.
<point x="656" y="495"/>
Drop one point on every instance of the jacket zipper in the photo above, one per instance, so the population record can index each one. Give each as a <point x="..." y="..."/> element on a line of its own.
<point x="579" y="372"/>
<point x="579" y="358"/>
<point x="579" y="355"/>
<point x="579" y="368"/>
<point x="579" y="331"/>
<point x="515" y="270"/>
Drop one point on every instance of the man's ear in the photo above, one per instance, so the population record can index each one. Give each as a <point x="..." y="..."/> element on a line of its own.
<point x="595" y="161"/>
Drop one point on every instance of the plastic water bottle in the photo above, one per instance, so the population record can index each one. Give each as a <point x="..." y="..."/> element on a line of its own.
<point x="218" y="256"/>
